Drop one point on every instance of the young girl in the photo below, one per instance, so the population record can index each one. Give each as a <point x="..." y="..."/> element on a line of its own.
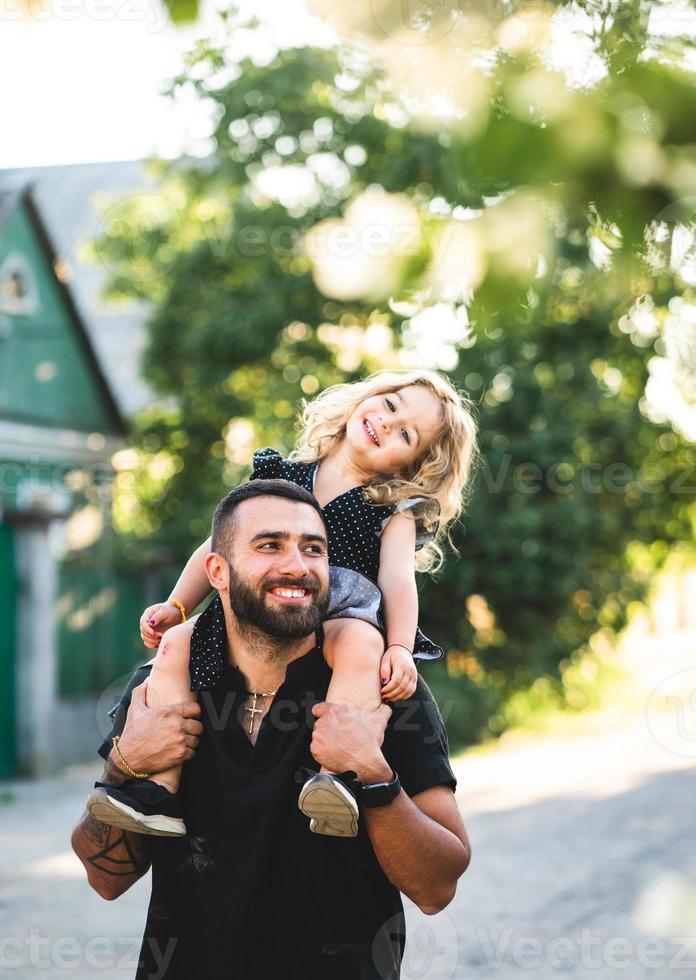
<point x="388" y="460"/>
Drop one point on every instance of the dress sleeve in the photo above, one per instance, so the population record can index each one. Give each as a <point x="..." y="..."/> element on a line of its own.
<point x="426" y="513"/>
<point x="267" y="464"/>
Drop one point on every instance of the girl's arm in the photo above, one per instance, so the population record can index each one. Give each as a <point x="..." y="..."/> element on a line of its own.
<point x="192" y="585"/>
<point x="190" y="590"/>
<point x="397" y="583"/>
<point x="397" y="579"/>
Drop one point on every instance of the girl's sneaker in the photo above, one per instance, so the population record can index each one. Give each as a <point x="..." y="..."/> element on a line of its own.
<point x="330" y="804"/>
<point x="141" y="806"/>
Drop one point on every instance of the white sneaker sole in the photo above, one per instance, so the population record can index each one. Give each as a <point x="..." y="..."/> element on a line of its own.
<point x="113" y="812"/>
<point x="332" y="809"/>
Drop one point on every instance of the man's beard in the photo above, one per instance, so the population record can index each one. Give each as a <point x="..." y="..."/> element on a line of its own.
<point x="287" y="622"/>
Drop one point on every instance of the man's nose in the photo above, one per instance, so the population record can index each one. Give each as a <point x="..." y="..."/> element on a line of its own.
<point x="293" y="561"/>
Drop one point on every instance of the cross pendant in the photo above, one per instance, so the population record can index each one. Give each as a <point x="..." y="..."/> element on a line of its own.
<point x="253" y="710"/>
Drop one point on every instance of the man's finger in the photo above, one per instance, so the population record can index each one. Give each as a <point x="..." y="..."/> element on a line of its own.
<point x="188" y="709"/>
<point x="192" y="727"/>
<point x="320" y="709"/>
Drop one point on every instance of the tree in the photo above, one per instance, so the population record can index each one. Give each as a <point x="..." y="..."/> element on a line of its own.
<point x="555" y="351"/>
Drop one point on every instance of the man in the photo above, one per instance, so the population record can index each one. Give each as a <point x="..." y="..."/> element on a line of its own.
<point x="250" y="892"/>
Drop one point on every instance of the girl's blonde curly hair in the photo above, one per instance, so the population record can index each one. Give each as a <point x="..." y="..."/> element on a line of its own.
<point x="443" y="471"/>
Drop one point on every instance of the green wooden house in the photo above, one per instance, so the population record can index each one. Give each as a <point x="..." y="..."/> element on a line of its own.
<point x="59" y="427"/>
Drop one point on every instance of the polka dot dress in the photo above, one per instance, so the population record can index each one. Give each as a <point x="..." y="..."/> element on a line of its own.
<point x="355" y="526"/>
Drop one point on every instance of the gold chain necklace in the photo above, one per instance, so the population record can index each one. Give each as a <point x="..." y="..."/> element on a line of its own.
<point x="253" y="710"/>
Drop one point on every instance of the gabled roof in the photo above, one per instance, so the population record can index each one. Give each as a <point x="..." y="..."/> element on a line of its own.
<point x="64" y="197"/>
<point x="23" y="198"/>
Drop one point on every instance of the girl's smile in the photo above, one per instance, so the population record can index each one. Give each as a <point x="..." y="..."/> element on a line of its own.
<point x="395" y="428"/>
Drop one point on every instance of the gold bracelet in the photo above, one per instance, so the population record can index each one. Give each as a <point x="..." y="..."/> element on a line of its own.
<point x="402" y="645"/>
<point x="180" y="607"/>
<point x="131" y="772"/>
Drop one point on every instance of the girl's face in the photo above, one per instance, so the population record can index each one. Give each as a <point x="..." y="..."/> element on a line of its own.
<point x="388" y="433"/>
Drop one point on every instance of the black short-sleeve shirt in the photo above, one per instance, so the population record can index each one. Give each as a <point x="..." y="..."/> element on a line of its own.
<point x="250" y="892"/>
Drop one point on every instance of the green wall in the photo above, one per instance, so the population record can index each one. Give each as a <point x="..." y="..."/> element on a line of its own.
<point x="45" y="375"/>
<point x="8" y="598"/>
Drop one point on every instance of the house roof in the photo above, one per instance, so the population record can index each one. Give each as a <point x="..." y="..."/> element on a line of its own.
<point x="8" y="202"/>
<point x="64" y="198"/>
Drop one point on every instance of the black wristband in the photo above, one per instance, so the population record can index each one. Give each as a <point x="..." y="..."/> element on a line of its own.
<point x="380" y="794"/>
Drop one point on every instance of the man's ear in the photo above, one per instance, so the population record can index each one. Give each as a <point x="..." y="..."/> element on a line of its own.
<point x="218" y="571"/>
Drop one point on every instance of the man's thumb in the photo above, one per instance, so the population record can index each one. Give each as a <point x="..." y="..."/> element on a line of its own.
<point x="139" y="695"/>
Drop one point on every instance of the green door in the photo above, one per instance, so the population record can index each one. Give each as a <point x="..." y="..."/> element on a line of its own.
<point x="8" y="599"/>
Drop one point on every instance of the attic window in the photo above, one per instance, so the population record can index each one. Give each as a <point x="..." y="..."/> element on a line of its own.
<point x="18" y="290"/>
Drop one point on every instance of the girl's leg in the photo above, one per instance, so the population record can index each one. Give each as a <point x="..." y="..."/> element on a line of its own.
<point x="353" y="649"/>
<point x="170" y="683"/>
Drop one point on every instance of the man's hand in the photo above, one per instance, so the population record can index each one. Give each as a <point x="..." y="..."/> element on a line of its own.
<point x="156" y="739"/>
<point x="347" y="738"/>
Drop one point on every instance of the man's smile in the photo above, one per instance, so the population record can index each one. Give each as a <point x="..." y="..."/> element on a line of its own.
<point x="288" y="594"/>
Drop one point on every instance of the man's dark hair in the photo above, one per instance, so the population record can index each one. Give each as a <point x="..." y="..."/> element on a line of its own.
<point x="224" y="519"/>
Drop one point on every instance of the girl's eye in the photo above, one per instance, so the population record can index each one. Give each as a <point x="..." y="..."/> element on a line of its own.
<point x="406" y="436"/>
<point x="390" y="404"/>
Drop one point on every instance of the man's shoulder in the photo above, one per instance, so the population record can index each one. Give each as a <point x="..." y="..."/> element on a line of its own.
<point x="415" y="712"/>
<point x="415" y="742"/>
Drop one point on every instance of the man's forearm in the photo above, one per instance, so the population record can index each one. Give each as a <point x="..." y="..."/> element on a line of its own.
<point x="422" y="858"/>
<point x="113" y="858"/>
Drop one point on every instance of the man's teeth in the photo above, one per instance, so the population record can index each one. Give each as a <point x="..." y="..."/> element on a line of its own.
<point x="371" y="432"/>
<point x="290" y="593"/>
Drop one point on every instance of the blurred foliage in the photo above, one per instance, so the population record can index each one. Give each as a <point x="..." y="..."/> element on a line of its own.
<point x="585" y="483"/>
<point x="180" y="12"/>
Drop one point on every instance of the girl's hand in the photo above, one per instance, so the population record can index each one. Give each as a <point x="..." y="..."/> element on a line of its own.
<point x="398" y="674"/>
<point x="155" y="622"/>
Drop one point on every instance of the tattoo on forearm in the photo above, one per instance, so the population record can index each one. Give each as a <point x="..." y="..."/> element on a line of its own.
<point x="96" y="831"/>
<point x="112" y="774"/>
<point x="120" y="857"/>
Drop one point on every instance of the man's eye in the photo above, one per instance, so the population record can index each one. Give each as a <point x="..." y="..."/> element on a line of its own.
<point x="316" y="548"/>
<point x="390" y="404"/>
<point x="406" y="436"/>
<point x="270" y="544"/>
